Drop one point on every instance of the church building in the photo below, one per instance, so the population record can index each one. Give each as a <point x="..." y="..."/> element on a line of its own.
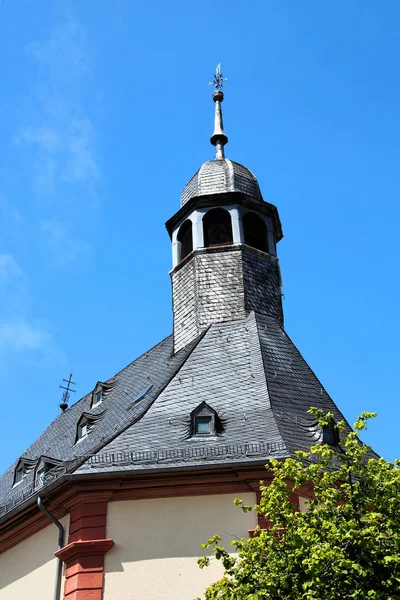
<point x="115" y="497"/>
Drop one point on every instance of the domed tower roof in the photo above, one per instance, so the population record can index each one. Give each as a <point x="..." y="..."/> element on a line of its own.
<point x="220" y="176"/>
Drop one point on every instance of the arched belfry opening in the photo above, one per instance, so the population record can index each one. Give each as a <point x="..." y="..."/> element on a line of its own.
<point x="217" y="226"/>
<point x="185" y="239"/>
<point x="255" y="232"/>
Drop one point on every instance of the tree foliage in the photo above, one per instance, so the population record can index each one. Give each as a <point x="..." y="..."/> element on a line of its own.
<point x="345" y="545"/>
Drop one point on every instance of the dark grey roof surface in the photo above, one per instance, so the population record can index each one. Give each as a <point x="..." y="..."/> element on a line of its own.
<point x="220" y="176"/>
<point x="252" y="375"/>
<point x="116" y="412"/>
<point x="293" y="387"/>
<point x="226" y="371"/>
<point x="248" y="371"/>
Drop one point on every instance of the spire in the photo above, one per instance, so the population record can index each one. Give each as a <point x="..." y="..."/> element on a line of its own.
<point x="218" y="138"/>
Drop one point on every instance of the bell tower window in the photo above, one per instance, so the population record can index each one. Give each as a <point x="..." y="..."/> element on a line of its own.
<point x="185" y="239"/>
<point x="255" y="232"/>
<point x="217" y="227"/>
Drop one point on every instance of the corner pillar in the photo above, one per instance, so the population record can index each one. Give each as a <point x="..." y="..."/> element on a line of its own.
<point x="237" y="224"/>
<point x="261" y="521"/>
<point x="197" y="229"/>
<point x="87" y="545"/>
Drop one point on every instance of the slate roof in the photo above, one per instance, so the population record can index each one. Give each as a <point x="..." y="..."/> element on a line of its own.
<point x="221" y="176"/>
<point x="256" y="380"/>
<point x="248" y="371"/>
<point x="117" y="411"/>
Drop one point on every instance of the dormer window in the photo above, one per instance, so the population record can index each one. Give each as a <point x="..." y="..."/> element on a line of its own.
<point x="98" y="394"/>
<point x="23" y="467"/>
<point x="45" y="470"/>
<point x="205" y="421"/>
<point x="330" y="435"/>
<point x="86" y="424"/>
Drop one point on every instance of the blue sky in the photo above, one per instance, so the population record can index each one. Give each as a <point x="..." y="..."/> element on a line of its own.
<point x="106" y="113"/>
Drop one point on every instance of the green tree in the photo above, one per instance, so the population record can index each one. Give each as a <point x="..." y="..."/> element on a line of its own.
<point x="345" y="545"/>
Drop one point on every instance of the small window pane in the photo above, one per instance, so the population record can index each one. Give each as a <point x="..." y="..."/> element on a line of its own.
<point x="142" y="393"/>
<point x="83" y="429"/>
<point x="97" y="397"/>
<point x="202" y="425"/>
<point x="330" y="436"/>
<point x="40" y="477"/>
<point x="20" y="475"/>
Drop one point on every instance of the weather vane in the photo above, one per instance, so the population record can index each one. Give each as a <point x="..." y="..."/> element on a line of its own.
<point x="66" y="394"/>
<point x="219" y="79"/>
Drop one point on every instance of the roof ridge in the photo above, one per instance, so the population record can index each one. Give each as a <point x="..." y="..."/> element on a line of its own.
<point x="254" y="315"/>
<point x="291" y="369"/>
<point x="310" y="370"/>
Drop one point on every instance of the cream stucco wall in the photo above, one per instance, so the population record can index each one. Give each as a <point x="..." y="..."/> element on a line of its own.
<point x="303" y="502"/>
<point x="157" y="543"/>
<point x="28" y="570"/>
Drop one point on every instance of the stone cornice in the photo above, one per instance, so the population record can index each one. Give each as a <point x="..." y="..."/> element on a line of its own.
<point x="81" y="548"/>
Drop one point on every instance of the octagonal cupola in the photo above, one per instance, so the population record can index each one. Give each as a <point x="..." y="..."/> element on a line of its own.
<point x="224" y="240"/>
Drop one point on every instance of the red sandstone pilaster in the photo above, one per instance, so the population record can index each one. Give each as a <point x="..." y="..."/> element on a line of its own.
<point x="261" y="522"/>
<point x="84" y="554"/>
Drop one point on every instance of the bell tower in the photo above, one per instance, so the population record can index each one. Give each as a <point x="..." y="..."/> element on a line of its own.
<point x="224" y="239"/>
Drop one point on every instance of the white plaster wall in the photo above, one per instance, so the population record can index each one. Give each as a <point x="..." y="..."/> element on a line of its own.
<point x="29" y="569"/>
<point x="157" y="543"/>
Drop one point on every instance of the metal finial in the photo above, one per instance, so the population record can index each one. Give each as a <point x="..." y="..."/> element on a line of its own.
<point x="218" y="78"/>
<point x="218" y="138"/>
<point x="66" y="394"/>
